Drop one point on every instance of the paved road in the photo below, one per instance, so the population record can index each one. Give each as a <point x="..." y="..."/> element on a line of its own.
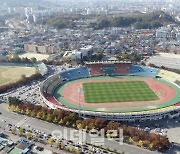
<point x="15" y="138"/>
<point x="24" y="121"/>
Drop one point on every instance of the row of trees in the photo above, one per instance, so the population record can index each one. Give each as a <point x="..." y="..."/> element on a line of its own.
<point x="14" y="58"/>
<point x="71" y="119"/>
<point x="60" y="144"/>
<point x="133" y="57"/>
<point x="32" y="136"/>
<point x="165" y="68"/>
<point x="21" y="132"/>
<point x="23" y="80"/>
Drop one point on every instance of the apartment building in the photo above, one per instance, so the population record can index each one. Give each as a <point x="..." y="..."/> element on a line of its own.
<point x="47" y="49"/>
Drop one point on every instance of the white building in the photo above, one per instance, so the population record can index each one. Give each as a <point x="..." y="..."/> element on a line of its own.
<point x="78" y="54"/>
<point x="161" y="34"/>
<point x="178" y="36"/>
<point x="86" y="50"/>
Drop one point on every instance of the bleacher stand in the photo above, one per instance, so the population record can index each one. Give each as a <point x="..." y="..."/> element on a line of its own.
<point x="122" y="68"/>
<point x="108" y="67"/>
<point x="95" y="69"/>
<point x="143" y="71"/>
<point x="51" y="99"/>
<point x="76" y="73"/>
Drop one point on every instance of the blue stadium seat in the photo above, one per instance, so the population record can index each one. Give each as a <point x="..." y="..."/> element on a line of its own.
<point x="143" y="70"/>
<point x="75" y="73"/>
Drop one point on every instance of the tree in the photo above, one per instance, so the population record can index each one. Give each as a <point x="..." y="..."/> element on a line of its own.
<point x="140" y="143"/>
<point x="49" y="117"/>
<point x="56" y="112"/>
<point x="23" y="78"/>
<point x="73" y="116"/>
<point x="28" y="135"/>
<point x="21" y="131"/>
<point x="25" y="60"/>
<point x="164" y="142"/>
<point x="156" y="25"/>
<point x="73" y="125"/>
<point x="58" y="144"/>
<point x="14" y="58"/>
<point x="156" y="145"/>
<point x="99" y="56"/>
<point x="13" y="131"/>
<point x="12" y="107"/>
<point x="55" y="120"/>
<point x="79" y="124"/>
<point x="28" y="112"/>
<point x="33" y="59"/>
<point x="67" y="123"/>
<point x="99" y="123"/>
<point x="143" y="25"/>
<point x="62" y="146"/>
<point x="17" y="108"/>
<point x="113" y="125"/>
<point x="50" y="141"/>
<point x="43" y="117"/>
<point x="39" y="115"/>
<point x="61" y="122"/>
<point x="103" y="23"/>
<point x="146" y="143"/>
<point x="33" y="114"/>
<point x="135" y="138"/>
<point x="71" y="149"/>
<point x="77" y="151"/>
<point x="14" y="101"/>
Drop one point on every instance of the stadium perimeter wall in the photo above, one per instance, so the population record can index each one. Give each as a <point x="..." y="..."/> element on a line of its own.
<point x="166" y="112"/>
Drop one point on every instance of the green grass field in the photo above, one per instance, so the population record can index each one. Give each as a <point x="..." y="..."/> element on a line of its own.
<point x="10" y="74"/>
<point x="125" y="91"/>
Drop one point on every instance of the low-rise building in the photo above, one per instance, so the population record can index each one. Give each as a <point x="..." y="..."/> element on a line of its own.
<point x="48" y="49"/>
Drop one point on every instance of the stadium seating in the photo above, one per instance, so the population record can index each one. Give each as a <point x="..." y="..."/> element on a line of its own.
<point x="101" y="69"/>
<point x="178" y="104"/>
<point x="50" y="83"/>
<point x="51" y="99"/>
<point x="48" y="87"/>
<point x="95" y="69"/>
<point x="75" y="73"/>
<point x="109" y="70"/>
<point x="143" y="70"/>
<point x="122" y="68"/>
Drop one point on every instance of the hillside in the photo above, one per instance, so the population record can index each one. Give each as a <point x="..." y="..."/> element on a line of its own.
<point x="138" y="20"/>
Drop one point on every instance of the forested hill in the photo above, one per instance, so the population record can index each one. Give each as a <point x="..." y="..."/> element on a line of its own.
<point x="138" y="20"/>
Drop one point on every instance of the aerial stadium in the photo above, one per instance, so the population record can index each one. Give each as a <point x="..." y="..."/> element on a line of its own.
<point x="114" y="90"/>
